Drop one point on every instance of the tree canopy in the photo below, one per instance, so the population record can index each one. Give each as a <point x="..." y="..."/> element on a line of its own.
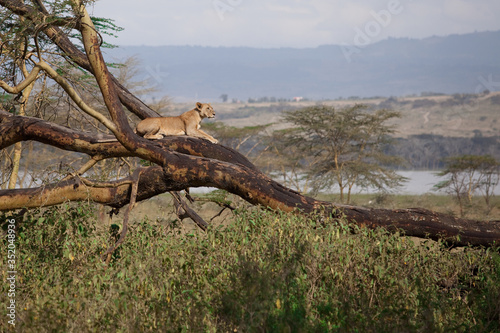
<point x="467" y="174"/>
<point x="341" y="147"/>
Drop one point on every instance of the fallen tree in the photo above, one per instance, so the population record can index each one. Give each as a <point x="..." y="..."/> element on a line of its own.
<point x="198" y="162"/>
<point x="179" y="162"/>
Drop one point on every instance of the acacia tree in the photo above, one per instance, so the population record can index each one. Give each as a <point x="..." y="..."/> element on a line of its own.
<point x="341" y="147"/>
<point x="467" y="174"/>
<point x="283" y="161"/>
<point x="58" y="34"/>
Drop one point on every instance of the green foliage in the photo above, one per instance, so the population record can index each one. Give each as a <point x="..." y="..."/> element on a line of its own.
<point x="468" y="163"/>
<point x="104" y="26"/>
<point x="467" y="174"/>
<point x="145" y="163"/>
<point x="264" y="272"/>
<point x="108" y="27"/>
<point x="341" y="147"/>
<point x="220" y="197"/>
<point x="6" y="103"/>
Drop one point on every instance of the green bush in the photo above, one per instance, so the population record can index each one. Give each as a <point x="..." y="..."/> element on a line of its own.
<point x="265" y="271"/>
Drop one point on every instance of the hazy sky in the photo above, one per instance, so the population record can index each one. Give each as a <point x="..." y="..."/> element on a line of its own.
<point x="292" y="23"/>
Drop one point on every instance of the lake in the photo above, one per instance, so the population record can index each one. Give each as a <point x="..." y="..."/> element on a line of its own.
<point x="419" y="182"/>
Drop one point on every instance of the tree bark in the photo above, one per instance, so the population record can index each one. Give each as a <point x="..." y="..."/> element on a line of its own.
<point x="424" y="223"/>
<point x="264" y="191"/>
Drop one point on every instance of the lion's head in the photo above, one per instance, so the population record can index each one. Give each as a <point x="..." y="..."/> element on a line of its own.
<point x="205" y="110"/>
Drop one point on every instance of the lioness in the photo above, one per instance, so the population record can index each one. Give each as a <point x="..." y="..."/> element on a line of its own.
<point x="187" y="123"/>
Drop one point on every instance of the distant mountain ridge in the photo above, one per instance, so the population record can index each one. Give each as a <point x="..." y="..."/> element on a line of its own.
<point x="393" y="67"/>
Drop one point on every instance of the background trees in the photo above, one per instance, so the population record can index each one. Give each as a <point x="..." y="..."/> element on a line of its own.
<point x="340" y="147"/>
<point x="244" y="139"/>
<point x="469" y="174"/>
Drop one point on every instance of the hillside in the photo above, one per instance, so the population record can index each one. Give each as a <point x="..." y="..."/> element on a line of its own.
<point x="457" y="115"/>
<point x="393" y="67"/>
<point x="430" y="128"/>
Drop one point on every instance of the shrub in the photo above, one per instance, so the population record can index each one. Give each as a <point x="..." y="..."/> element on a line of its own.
<point x="265" y="271"/>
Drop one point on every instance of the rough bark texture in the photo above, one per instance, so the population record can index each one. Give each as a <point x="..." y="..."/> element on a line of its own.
<point x="182" y="162"/>
<point x="262" y="190"/>
<point x="424" y="223"/>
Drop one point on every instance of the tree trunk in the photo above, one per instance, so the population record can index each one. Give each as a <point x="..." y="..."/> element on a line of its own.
<point x="258" y="189"/>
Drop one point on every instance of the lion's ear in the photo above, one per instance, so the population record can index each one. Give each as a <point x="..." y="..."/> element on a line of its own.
<point x="199" y="105"/>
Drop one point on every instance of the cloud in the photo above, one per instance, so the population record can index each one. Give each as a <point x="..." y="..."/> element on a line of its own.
<point x="287" y="23"/>
<point x="466" y="15"/>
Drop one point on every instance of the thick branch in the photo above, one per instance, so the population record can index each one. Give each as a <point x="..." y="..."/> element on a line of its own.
<point x="20" y="128"/>
<point x="258" y="189"/>
<point x="424" y="223"/>
<point x="91" y="42"/>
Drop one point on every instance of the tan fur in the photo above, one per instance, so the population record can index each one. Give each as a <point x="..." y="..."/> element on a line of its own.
<point x="187" y="123"/>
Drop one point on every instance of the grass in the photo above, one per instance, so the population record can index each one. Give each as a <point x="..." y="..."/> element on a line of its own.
<point x="264" y="272"/>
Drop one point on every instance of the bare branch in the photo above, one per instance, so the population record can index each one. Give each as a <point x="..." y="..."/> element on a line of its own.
<point x="133" y="195"/>
<point x="183" y="211"/>
<point x="25" y="83"/>
<point x="90" y="163"/>
<point x="76" y="98"/>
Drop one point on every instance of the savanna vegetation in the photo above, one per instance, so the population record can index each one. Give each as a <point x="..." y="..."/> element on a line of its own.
<point x="260" y="271"/>
<point x="281" y="262"/>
